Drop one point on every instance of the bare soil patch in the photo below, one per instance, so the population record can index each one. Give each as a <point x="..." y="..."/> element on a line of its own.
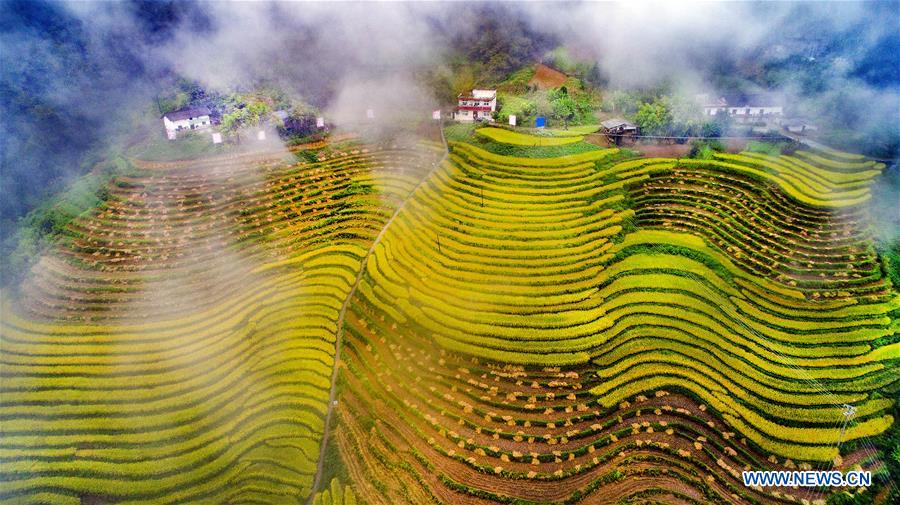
<point x="546" y="77"/>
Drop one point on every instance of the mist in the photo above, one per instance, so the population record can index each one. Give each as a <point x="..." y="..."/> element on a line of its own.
<point x="76" y="74"/>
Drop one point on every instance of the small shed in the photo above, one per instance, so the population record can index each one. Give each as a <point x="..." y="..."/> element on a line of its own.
<point x="618" y="129"/>
<point x="798" y="126"/>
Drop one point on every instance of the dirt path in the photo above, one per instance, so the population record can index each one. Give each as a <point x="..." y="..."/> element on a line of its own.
<point x="342" y="314"/>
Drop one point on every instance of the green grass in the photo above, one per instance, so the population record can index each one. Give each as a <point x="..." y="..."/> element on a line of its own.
<point x="516" y="105"/>
<point x="770" y="148"/>
<point x="188" y="146"/>
<point x="573" y="131"/>
<point x="460" y="132"/>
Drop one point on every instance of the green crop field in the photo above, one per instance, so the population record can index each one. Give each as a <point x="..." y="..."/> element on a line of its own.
<point x="524" y="139"/>
<point x="510" y="329"/>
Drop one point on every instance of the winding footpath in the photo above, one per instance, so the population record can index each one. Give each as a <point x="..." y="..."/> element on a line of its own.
<point x="340" y="322"/>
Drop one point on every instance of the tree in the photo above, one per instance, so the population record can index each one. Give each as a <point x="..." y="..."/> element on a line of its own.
<point x="687" y="117"/>
<point x="564" y="108"/>
<point x="594" y="76"/>
<point x="654" y="118"/>
<point x="242" y="117"/>
<point x="463" y="81"/>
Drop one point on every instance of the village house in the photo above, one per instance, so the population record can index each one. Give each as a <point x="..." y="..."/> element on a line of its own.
<point x="617" y="129"/>
<point x="193" y="118"/>
<point x="743" y="109"/>
<point x="477" y="105"/>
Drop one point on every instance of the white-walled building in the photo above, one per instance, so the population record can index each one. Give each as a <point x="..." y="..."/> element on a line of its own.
<point x="744" y="109"/>
<point x="194" y="118"/>
<point x="477" y="105"/>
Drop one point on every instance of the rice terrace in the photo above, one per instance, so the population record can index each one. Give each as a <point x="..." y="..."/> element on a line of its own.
<point x="457" y="282"/>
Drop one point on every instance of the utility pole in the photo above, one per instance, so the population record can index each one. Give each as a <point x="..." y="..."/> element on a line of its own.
<point x="439" y="244"/>
<point x="482" y="196"/>
<point x="849" y="412"/>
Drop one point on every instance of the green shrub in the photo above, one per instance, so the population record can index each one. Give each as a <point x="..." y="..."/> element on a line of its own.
<point x="705" y="149"/>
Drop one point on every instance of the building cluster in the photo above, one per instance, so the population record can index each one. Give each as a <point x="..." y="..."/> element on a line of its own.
<point x="201" y="118"/>
<point x="743" y="109"/>
<point x="481" y="104"/>
<point x="760" y="108"/>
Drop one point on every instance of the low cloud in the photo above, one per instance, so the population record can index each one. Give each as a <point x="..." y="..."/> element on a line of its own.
<point x="73" y="72"/>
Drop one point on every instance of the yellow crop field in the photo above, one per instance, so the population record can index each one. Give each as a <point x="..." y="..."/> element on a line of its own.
<point x="523" y="139"/>
<point x="450" y="325"/>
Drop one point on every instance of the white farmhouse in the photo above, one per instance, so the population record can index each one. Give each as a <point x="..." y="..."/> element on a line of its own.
<point x="479" y="104"/>
<point x="194" y="118"/>
<point x="744" y="109"/>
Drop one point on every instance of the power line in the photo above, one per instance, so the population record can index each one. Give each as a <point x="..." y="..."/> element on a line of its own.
<point x="695" y="138"/>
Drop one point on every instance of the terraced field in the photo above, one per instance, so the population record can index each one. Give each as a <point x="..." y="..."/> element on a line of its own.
<point x="804" y="228"/>
<point x="510" y="342"/>
<point x="178" y="346"/>
<point x="585" y="329"/>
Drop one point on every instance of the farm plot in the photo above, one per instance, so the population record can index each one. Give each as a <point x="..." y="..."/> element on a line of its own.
<point x="177" y="347"/>
<point x="764" y="226"/>
<point x="508" y="343"/>
<point x="823" y="183"/>
<point x="523" y="139"/>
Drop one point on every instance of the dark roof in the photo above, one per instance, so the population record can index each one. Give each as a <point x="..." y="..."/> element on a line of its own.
<point x="616" y="123"/>
<point x="752" y="100"/>
<point x="188" y="113"/>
